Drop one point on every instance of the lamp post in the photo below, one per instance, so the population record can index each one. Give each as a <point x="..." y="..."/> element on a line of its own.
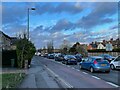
<point x="28" y="21"/>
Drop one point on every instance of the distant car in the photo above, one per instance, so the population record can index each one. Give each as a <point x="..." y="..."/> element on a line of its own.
<point x="69" y="59"/>
<point x="45" y="55"/>
<point x="37" y="53"/>
<point x="59" y="57"/>
<point x="95" y="63"/>
<point x="107" y="57"/>
<point x="78" y="57"/>
<point x="115" y="64"/>
<point x="50" y="56"/>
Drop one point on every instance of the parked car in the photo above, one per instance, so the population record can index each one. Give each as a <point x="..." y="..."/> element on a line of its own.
<point x="107" y="57"/>
<point x="59" y="57"/>
<point x="95" y="63"/>
<point x="50" y="56"/>
<point x="69" y="59"/>
<point x="45" y="55"/>
<point x="78" y="57"/>
<point x="115" y="64"/>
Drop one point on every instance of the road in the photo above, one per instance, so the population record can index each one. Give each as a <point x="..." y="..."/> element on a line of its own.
<point x="75" y="78"/>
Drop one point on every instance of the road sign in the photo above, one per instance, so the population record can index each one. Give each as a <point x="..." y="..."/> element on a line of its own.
<point x="109" y="47"/>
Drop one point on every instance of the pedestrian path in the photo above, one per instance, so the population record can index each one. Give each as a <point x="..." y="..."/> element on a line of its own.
<point x="38" y="77"/>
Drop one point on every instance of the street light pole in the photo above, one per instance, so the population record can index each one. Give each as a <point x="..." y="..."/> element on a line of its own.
<point x="28" y="25"/>
<point x="29" y="20"/>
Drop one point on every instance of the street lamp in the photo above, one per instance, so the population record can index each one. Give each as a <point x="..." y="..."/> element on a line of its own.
<point x="28" y="21"/>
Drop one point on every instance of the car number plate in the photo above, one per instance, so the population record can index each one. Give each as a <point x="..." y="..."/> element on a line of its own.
<point x="103" y="64"/>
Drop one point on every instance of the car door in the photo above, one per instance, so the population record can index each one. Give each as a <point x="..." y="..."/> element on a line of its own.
<point x="84" y="64"/>
<point x="117" y="62"/>
<point x="88" y="63"/>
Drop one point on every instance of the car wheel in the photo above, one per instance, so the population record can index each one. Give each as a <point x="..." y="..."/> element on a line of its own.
<point x="80" y="66"/>
<point x="107" y="71"/>
<point x="112" y="67"/>
<point x="91" y="70"/>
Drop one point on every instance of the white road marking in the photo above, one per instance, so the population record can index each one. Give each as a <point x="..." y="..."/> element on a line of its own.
<point x="112" y="84"/>
<point x="68" y="66"/>
<point x="66" y="83"/>
<point x="95" y="77"/>
<point x="63" y="64"/>
<point x="78" y="70"/>
<point x="84" y="72"/>
<point x="73" y="68"/>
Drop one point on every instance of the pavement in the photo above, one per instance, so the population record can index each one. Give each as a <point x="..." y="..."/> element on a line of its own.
<point x="38" y="77"/>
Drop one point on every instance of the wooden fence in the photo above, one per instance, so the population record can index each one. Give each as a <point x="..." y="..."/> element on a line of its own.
<point x="98" y="53"/>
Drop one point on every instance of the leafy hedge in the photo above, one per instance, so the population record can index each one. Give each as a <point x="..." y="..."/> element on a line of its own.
<point x="25" y="51"/>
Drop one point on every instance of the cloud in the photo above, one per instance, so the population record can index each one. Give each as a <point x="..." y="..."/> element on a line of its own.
<point x="114" y="27"/>
<point x="13" y="13"/>
<point x="63" y="24"/>
<point x="14" y="29"/>
<point x="100" y="14"/>
<point x="71" y="8"/>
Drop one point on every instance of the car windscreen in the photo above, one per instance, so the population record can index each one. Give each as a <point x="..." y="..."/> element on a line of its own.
<point x="99" y="59"/>
<point x="70" y="56"/>
<point x="108" y="56"/>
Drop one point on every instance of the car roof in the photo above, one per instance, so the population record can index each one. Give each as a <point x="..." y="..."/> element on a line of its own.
<point x="95" y="57"/>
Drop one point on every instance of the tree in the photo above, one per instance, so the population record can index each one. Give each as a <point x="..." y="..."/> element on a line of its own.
<point x="65" y="46"/>
<point x="78" y="48"/>
<point x="50" y="47"/>
<point x="25" y="51"/>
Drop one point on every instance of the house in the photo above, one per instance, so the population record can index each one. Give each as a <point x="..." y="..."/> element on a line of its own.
<point x="89" y="47"/>
<point x="100" y="46"/>
<point x="5" y="41"/>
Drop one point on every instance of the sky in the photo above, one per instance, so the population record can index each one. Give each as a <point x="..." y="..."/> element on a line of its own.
<point x="82" y="22"/>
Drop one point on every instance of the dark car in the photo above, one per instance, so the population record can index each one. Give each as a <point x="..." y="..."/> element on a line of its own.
<point x="78" y="57"/>
<point x="69" y="59"/>
<point x="107" y="57"/>
<point x="59" y="57"/>
<point x="95" y="63"/>
<point x="50" y="56"/>
<point x="45" y="55"/>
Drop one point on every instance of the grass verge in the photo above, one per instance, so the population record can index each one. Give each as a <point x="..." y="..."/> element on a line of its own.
<point x="11" y="80"/>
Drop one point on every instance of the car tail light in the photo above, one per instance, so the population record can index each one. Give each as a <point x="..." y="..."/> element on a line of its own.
<point x="95" y="62"/>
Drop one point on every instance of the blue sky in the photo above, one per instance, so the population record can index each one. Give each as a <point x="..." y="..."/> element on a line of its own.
<point x="73" y="21"/>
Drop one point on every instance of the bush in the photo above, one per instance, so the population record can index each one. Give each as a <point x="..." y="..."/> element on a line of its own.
<point x="25" y="51"/>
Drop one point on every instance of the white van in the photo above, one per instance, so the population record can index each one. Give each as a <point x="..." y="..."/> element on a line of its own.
<point x="115" y="64"/>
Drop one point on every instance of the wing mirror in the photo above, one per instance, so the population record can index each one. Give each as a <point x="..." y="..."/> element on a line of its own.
<point x="83" y="60"/>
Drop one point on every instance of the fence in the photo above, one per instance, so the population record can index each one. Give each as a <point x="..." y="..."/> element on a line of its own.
<point x="98" y="53"/>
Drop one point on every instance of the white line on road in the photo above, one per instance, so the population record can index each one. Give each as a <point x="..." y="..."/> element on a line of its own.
<point x="84" y="72"/>
<point x="95" y="77"/>
<point x="68" y="66"/>
<point x="77" y="69"/>
<point x="73" y="68"/>
<point x="112" y="84"/>
<point x="63" y="64"/>
<point x="66" y="83"/>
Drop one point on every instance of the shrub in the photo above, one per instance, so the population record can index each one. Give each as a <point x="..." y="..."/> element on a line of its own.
<point x="25" y="51"/>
